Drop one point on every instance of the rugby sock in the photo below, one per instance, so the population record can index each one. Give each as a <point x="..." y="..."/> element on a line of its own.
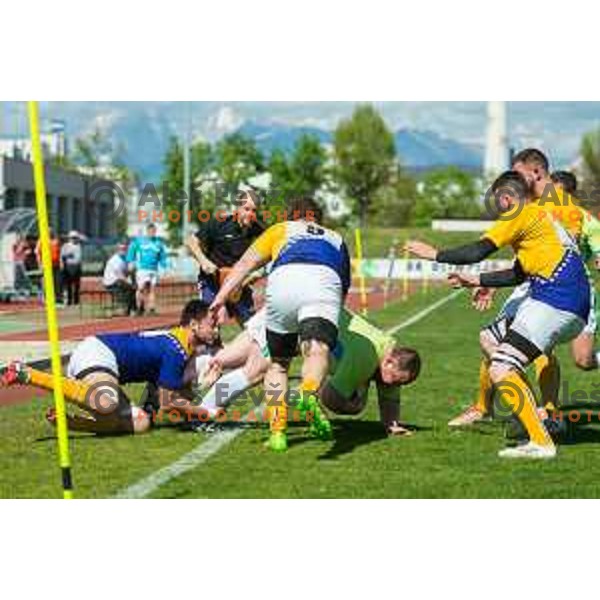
<point x="74" y="391"/>
<point x="521" y="400"/>
<point x="547" y="370"/>
<point x="225" y="390"/>
<point x="485" y="385"/>
<point x="276" y="409"/>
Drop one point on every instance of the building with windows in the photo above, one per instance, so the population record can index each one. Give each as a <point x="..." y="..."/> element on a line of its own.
<point x="75" y="201"/>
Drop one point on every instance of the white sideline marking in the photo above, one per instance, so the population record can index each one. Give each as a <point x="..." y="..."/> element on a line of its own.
<point x="188" y="461"/>
<point x="422" y="314"/>
<point x="216" y="442"/>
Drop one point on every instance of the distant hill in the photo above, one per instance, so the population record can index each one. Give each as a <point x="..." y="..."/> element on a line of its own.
<point x="142" y="130"/>
<point x="417" y="149"/>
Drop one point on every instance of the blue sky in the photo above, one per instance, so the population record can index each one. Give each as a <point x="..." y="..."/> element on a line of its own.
<point x="555" y="126"/>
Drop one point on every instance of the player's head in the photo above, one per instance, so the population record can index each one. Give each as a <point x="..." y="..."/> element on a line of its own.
<point x="532" y="164"/>
<point x="304" y="208"/>
<point x="247" y="202"/>
<point x="199" y="321"/>
<point x="566" y="180"/>
<point x="122" y="249"/>
<point x="151" y="230"/>
<point x="400" y="366"/>
<point x="511" y="189"/>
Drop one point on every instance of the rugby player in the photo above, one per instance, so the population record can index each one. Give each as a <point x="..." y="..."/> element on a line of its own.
<point x="555" y="309"/>
<point x="306" y="287"/>
<point x="100" y="365"/>
<point x="554" y="198"/>
<point x="363" y="354"/>
<point x="580" y="224"/>
<point x="218" y="245"/>
<point x="146" y="254"/>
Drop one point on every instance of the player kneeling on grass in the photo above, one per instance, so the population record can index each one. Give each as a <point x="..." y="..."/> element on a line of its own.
<point x="555" y="310"/>
<point x="309" y="279"/>
<point x="100" y="365"/>
<point x="363" y="354"/>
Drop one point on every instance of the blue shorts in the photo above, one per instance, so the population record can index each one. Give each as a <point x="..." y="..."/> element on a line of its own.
<point x="242" y="309"/>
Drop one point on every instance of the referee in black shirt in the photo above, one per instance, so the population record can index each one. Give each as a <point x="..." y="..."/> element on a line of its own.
<point x="219" y="244"/>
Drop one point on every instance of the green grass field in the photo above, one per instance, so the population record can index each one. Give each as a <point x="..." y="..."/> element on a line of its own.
<point x="360" y="463"/>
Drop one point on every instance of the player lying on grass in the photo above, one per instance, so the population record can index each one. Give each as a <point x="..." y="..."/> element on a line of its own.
<point x="555" y="310"/>
<point x="306" y="287"/>
<point x="362" y="355"/>
<point x="554" y="195"/>
<point x="100" y="365"/>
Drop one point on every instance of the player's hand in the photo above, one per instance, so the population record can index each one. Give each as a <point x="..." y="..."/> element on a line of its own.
<point x="458" y="280"/>
<point x="214" y="362"/>
<point x="217" y="306"/>
<point x="482" y="298"/>
<point x="395" y="429"/>
<point x="208" y="267"/>
<point x="212" y="373"/>
<point x="421" y="249"/>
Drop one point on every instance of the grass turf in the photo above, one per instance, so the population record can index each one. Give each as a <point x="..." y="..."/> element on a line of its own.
<point x="359" y="463"/>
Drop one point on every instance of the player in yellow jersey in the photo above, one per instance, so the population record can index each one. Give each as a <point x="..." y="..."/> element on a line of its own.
<point x="557" y="203"/>
<point x="554" y="311"/>
<point x="309" y="279"/>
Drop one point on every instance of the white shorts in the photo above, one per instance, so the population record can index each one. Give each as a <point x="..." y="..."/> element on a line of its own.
<point x="296" y="292"/>
<point x="514" y="301"/>
<point x="92" y="355"/>
<point x="592" y="324"/>
<point x="256" y="327"/>
<point x="544" y="325"/>
<point x="144" y="277"/>
<point x="511" y="305"/>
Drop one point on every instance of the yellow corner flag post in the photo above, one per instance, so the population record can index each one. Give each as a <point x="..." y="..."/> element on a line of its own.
<point x="42" y="214"/>
<point x="364" y="308"/>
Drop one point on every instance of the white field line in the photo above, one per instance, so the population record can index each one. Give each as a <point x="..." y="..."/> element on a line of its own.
<point x="422" y="314"/>
<point x="218" y="441"/>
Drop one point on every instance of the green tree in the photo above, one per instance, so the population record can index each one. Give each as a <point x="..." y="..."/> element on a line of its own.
<point x="446" y="194"/>
<point x="590" y="154"/>
<point x="201" y="162"/>
<point x="302" y="174"/>
<point x="365" y="157"/>
<point x="237" y="160"/>
<point x="93" y="150"/>
<point x="394" y="203"/>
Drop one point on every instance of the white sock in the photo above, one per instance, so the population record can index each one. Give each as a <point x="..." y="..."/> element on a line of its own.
<point x="225" y="390"/>
<point x="598" y="359"/>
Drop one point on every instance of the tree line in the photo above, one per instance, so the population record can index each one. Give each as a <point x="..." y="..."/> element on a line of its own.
<point x="362" y="168"/>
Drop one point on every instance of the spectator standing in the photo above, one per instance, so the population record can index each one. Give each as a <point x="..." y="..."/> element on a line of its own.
<point x="147" y="253"/>
<point x="55" y="249"/>
<point x="20" y="254"/>
<point x="71" y="259"/>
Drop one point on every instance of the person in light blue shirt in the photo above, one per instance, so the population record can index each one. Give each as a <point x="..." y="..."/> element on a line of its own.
<point x="146" y="254"/>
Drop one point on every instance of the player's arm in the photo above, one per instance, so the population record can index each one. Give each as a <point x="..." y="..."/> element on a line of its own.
<point x="461" y="255"/>
<point x="492" y="279"/>
<point x="194" y="246"/>
<point x="259" y="254"/>
<point x="388" y="398"/>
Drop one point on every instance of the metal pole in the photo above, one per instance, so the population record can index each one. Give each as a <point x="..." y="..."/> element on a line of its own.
<point x="186" y="176"/>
